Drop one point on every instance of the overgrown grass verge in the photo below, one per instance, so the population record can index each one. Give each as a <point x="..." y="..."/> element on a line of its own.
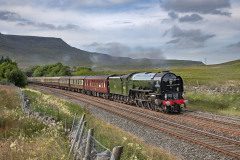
<point x="225" y="104"/>
<point x="22" y="137"/>
<point x="109" y="135"/>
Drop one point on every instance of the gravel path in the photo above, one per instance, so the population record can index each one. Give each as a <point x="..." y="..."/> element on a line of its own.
<point x="176" y="147"/>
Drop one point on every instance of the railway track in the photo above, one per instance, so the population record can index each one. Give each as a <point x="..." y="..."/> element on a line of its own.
<point x="221" y="144"/>
<point x="233" y="124"/>
<point x="231" y="130"/>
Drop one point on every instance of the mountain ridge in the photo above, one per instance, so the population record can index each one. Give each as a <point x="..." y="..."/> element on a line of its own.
<point x="32" y="50"/>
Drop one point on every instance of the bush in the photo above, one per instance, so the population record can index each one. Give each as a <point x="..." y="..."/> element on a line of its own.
<point x="52" y="70"/>
<point x="17" y="77"/>
<point x="10" y="73"/>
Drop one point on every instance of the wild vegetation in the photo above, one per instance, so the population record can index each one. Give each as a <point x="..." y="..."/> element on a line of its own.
<point x="221" y="103"/>
<point x="51" y="70"/>
<point x="22" y="137"/>
<point x="106" y="134"/>
<point x="10" y="73"/>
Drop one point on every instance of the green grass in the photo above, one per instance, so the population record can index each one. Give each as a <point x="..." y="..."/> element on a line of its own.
<point x="22" y="137"/>
<point x="109" y="135"/>
<point x="225" y="104"/>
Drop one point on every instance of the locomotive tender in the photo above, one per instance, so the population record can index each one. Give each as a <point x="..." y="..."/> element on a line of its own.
<point x="156" y="91"/>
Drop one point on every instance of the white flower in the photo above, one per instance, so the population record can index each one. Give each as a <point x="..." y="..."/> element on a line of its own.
<point x="13" y="145"/>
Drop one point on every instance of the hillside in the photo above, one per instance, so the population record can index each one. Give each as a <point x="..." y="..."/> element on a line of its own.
<point x="31" y="50"/>
<point x="230" y="63"/>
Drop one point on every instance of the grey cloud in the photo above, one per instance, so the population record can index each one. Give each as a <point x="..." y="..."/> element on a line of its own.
<point x="186" y="18"/>
<point x="193" y="38"/>
<point x="174" y="41"/>
<point x="49" y="26"/>
<point x="113" y="48"/>
<point x="122" y="50"/>
<point x="148" y="52"/>
<point x="234" y="48"/>
<point x="237" y="45"/>
<point x="10" y="16"/>
<point x="14" y="17"/>
<point x="199" y="6"/>
<point x="173" y="15"/>
<point x="190" y="18"/>
<point x="68" y="4"/>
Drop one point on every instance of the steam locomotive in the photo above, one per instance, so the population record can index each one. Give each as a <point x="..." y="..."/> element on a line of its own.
<point x="155" y="91"/>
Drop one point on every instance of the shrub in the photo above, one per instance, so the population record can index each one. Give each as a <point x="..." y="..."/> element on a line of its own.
<point x="51" y="70"/>
<point x="9" y="72"/>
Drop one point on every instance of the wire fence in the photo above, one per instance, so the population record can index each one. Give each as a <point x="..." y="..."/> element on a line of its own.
<point x="85" y="146"/>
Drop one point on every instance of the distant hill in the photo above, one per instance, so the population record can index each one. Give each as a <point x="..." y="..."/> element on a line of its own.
<point x="30" y="50"/>
<point x="231" y="63"/>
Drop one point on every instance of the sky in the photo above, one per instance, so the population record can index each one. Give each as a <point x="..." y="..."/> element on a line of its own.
<point x="202" y="30"/>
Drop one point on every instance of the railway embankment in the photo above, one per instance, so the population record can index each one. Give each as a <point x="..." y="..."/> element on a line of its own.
<point x="40" y="132"/>
<point x="106" y="134"/>
<point x="189" y="136"/>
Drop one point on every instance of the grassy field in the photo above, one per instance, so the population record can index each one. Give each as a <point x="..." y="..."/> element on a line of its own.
<point x="22" y="137"/>
<point x="220" y="103"/>
<point x="212" y="75"/>
<point x="225" y="76"/>
<point x="107" y="134"/>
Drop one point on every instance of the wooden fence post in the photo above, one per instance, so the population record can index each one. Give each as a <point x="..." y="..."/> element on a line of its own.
<point x="80" y="138"/>
<point x="88" y="145"/>
<point x="74" y="119"/>
<point x="76" y="136"/>
<point x="116" y="153"/>
<point x="81" y="134"/>
<point x="65" y="125"/>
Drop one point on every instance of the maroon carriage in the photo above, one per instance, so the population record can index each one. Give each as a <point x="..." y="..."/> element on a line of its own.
<point x="96" y="85"/>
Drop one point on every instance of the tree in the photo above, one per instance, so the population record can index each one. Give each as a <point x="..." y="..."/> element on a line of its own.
<point x="17" y="77"/>
<point x="51" y="70"/>
<point x="9" y="72"/>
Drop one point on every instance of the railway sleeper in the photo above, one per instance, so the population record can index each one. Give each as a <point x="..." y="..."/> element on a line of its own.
<point x="216" y="143"/>
<point x="230" y="147"/>
<point x="210" y="141"/>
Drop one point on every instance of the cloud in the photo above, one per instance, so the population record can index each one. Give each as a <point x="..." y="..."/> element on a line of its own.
<point x="235" y="45"/>
<point x="173" y="15"/>
<point x="190" y="18"/>
<point x="193" y="38"/>
<point x="199" y="6"/>
<point x="234" y="48"/>
<point x="69" y="4"/>
<point x="48" y="26"/>
<point x="14" y="17"/>
<point x="122" y="50"/>
<point x="10" y="16"/>
<point x="187" y="18"/>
